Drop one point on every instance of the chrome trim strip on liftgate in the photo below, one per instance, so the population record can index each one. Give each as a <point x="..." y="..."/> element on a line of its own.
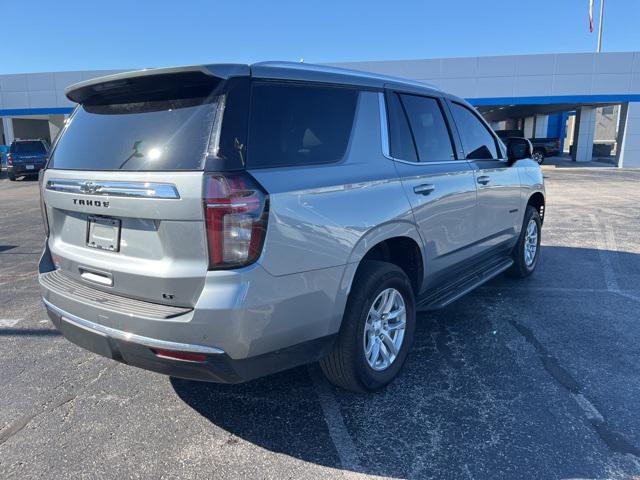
<point x="114" y="189"/>
<point x="96" y="328"/>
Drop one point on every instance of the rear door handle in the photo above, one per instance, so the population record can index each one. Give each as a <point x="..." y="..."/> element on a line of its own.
<point x="424" y="189"/>
<point x="484" y="179"/>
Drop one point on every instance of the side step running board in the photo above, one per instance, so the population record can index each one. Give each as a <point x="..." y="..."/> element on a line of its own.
<point x="443" y="296"/>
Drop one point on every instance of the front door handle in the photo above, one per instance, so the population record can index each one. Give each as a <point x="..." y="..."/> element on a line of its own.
<point x="424" y="189"/>
<point x="484" y="179"/>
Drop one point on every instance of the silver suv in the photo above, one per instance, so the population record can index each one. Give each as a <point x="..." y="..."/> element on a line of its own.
<point x="225" y="222"/>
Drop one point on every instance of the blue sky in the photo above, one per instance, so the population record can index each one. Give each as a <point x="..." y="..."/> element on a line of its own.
<point x="78" y="35"/>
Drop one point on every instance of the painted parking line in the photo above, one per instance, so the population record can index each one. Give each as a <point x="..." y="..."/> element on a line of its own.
<point x="8" y="323"/>
<point x="335" y="422"/>
<point x="607" y="247"/>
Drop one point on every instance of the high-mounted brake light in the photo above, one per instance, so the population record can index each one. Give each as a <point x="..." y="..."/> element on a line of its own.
<point x="236" y="213"/>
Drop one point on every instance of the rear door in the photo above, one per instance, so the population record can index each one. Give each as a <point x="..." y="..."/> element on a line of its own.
<point x="123" y="193"/>
<point x="498" y="220"/>
<point x="440" y="188"/>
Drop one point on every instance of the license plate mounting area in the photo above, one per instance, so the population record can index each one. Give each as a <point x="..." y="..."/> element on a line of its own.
<point x="103" y="233"/>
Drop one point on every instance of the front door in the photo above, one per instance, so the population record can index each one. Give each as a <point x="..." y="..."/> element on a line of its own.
<point x="498" y="220"/>
<point x="440" y="188"/>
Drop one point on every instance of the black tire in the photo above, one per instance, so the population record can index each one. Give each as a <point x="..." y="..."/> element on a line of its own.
<point x="520" y="267"/>
<point x="538" y="156"/>
<point x="346" y="365"/>
<point x="12" y="177"/>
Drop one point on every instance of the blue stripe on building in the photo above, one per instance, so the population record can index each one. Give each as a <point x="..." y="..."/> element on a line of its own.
<point x="554" y="100"/>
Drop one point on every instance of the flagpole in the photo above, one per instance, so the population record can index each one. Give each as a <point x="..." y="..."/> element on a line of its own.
<point x="600" y="26"/>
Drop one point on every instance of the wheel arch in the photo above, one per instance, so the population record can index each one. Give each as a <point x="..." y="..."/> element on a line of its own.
<point x="396" y="242"/>
<point x="537" y="201"/>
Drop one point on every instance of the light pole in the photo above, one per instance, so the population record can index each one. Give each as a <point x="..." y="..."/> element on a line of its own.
<point x="600" y="26"/>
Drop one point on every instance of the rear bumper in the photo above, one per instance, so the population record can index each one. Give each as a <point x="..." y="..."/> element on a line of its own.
<point x="21" y="169"/>
<point x="138" y="351"/>
<point x="247" y="322"/>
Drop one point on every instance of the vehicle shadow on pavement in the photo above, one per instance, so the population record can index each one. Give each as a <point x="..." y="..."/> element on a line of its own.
<point x="29" y="179"/>
<point x="476" y="398"/>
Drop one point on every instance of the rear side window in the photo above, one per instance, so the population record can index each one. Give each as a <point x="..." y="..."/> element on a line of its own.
<point x="430" y="132"/>
<point x="299" y="124"/>
<point x="477" y="141"/>
<point x="30" y="147"/>
<point x="400" y="137"/>
<point x="146" y="136"/>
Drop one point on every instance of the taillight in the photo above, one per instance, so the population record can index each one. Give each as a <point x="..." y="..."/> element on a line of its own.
<point x="9" y="159"/>
<point x="236" y="213"/>
<point x="43" y="208"/>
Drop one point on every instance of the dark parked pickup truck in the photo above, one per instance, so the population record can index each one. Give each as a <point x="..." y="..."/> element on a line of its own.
<point x="542" y="147"/>
<point x="26" y="157"/>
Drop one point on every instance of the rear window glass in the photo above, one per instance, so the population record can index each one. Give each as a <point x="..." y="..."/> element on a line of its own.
<point x="299" y="124"/>
<point x="34" y="147"/>
<point x="153" y="135"/>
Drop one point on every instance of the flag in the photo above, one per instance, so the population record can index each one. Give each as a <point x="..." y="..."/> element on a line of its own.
<point x="591" y="15"/>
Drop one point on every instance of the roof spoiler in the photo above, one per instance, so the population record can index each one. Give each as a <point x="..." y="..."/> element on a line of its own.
<point x="153" y="84"/>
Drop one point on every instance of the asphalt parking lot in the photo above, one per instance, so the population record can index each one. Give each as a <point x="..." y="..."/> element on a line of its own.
<point x="521" y="379"/>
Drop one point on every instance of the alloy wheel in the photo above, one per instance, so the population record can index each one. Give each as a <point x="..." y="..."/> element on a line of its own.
<point x="530" y="243"/>
<point x="538" y="157"/>
<point x="384" y="329"/>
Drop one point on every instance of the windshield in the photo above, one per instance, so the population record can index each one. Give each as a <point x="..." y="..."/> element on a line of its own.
<point x="153" y="135"/>
<point x="35" y="147"/>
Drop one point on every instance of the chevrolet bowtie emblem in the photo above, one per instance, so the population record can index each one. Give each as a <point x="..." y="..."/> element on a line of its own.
<point x="89" y="187"/>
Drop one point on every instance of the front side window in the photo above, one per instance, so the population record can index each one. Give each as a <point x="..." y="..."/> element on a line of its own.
<point x="430" y="132"/>
<point x="477" y="141"/>
<point x="299" y="124"/>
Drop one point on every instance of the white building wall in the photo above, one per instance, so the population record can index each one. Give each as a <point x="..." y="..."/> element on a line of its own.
<point x="514" y="76"/>
<point x="586" y="133"/>
<point x="7" y="128"/>
<point x="41" y="90"/>
<point x="56" y="122"/>
<point x="528" y="127"/>
<point x="469" y="77"/>
<point x="520" y="75"/>
<point x="542" y="124"/>
<point x="630" y="148"/>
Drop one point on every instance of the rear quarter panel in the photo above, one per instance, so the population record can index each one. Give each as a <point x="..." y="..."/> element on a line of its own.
<point x="327" y="215"/>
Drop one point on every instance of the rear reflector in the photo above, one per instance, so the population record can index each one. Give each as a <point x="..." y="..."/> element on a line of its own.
<point x="184" y="356"/>
<point x="236" y="212"/>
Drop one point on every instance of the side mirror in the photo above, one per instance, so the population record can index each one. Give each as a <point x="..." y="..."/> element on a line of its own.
<point x="518" y="148"/>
